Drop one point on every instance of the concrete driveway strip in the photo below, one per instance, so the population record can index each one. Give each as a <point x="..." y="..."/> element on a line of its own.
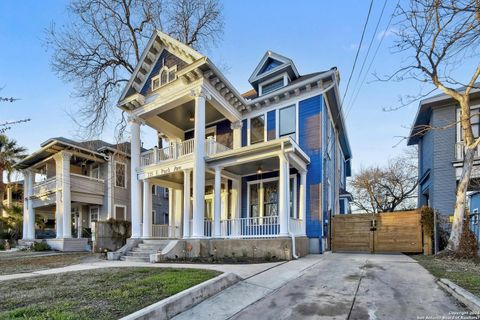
<point x="243" y="294"/>
<point x="357" y="286"/>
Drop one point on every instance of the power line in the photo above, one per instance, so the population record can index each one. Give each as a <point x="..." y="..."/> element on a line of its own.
<point x="356" y="57"/>
<point x="367" y="54"/>
<point x="373" y="59"/>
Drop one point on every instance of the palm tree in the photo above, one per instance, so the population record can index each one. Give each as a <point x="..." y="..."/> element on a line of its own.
<point x="10" y="153"/>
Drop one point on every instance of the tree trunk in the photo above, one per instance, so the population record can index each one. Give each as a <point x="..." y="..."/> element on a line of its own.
<point x="459" y="214"/>
<point x="2" y="190"/>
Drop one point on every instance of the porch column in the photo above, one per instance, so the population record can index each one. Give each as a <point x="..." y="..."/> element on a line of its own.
<point x="177" y="212"/>
<point x="237" y="134"/>
<point x="171" y="212"/>
<point x="25" y="205"/>
<point x="110" y="183"/>
<point x="30" y="211"/>
<point x="58" y="197"/>
<point x="80" y="222"/>
<point x="217" y="202"/>
<point x="186" y="202"/>
<point x="199" y="168"/>
<point x="147" y="209"/>
<point x="283" y="194"/>
<point x="135" y="185"/>
<point x="235" y="206"/>
<point x="302" y="195"/>
<point x="66" y="196"/>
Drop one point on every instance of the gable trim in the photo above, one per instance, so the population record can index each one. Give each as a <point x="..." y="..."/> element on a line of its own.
<point x="286" y="62"/>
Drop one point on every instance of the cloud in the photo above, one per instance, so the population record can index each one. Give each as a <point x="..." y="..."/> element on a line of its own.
<point x="386" y="33"/>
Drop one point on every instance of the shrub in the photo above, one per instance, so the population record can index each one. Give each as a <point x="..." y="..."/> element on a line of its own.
<point x="468" y="246"/>
<point x="2" y="246"/>
<point x="40" y="246"/>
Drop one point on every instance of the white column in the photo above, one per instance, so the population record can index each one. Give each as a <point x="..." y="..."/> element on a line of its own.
<point x="30" y="210"/>
<point x="178" y="199"/>
<point x="147" y="209"/>
<point x="186" y="203"/>
<point x="235" y="205"/>
<point x="66" y="195"/>
<point x="302" y="195"/>
<point x="80" y="222"/>
<point x="110" y="183"/>
<point x="237" y="134"/>
<point x="171" y="213"/>
<point x="217" y="202"/>
<point x="58" y="197"/>
<point x="25" y="205"/>
<point x="199" y="168"/>
<point x="135" y="184"/>
<point x="283" y="194"/>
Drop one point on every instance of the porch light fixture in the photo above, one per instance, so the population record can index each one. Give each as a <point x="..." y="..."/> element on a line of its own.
<point x="191" y="118"/>
<point x="259" y="170"/>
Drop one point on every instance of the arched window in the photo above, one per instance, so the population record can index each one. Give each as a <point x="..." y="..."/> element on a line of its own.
<point x="164" y="77"/>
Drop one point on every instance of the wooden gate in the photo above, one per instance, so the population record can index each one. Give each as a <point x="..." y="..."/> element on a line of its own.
<point x="375" y="233"/>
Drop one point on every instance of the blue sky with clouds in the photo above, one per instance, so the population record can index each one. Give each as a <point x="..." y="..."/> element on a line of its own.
<point x="317" y="35"/>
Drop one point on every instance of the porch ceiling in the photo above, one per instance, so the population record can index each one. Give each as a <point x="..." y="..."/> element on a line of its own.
<point x="249" y="168"/>
<point x="175" y="177"/>
<point x="180" y="115"/>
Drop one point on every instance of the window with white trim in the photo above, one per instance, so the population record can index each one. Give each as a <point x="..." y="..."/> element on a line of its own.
<point x="120" y="212"/>
<point x="94" y="211"/>
<point x="287" y="122"/>
<point x="120" y="174"/>
<point x="165" y="76"/>
<point x="257" y="129"/>
<point x="263" y="197"/>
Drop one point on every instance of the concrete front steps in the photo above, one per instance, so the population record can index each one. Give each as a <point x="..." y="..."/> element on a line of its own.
<point x="144" y="249"/>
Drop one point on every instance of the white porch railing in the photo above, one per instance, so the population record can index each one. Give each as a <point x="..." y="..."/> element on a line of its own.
<point x="177" y="150"/>
<point x="207" y="228"/>
<point x="296" y="226"/>
<point x="45" y="186"/>
<point x="459" y="151"/>
<point x="161" y="231"/>
<point x="257" y="227"/>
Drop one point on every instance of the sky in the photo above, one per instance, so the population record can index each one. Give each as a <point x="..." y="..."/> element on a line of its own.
<point x="316" y="35"/>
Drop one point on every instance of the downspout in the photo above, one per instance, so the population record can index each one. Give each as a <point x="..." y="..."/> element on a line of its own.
<point x="292" y="236"/>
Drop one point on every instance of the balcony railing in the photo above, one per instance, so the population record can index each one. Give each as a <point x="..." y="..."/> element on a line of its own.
<point x="459" y="151"/>
<point x="178" y="150"/>
<point x="78" y="183"/>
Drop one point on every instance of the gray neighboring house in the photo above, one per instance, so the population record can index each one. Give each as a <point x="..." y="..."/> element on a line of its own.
<point x="71" y="184"/>
<point x="440" y="150"/>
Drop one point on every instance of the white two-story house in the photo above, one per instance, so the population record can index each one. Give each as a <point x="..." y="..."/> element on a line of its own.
<point x="270" y="163"/>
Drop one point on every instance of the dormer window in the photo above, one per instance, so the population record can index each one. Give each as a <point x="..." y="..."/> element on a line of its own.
<point x="165" y="76"/>
<point x="270" y="86"/>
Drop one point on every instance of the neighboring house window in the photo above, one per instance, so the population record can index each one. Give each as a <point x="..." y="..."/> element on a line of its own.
<point x="120" y="212"/>
<point x="474" y="119"/>
<point x="120" y="175"/>
<point x="272" y="86"/>
<point x="154" y="190"/>
<point x="257" y="129"/>
<point x="165" y="76"/>
<point x="95" y="172"/>
<point x="287" y="122"/>
<point x="154" y="217"/>
<point x="165" y="192"/>
<point x="94" y="214"/>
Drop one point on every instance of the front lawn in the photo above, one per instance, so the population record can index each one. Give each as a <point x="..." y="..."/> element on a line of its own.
<point x="96" y="294"/>
<point x="465" y="273"/>
<point x="20" y="261"/>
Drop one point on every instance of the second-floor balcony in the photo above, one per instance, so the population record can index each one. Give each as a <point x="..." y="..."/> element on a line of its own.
<point x="78" y="183"/>
<point x="179" y="150"/>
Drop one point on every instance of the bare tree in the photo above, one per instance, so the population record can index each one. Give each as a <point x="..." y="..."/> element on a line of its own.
<point x="439" y="36"/>
<point x="99" y="48"/>
<point x="386" y="189"/>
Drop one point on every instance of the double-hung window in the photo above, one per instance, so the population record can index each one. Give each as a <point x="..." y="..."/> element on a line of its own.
<point x="94" y="214"/>
<point x="257" y="129"/>
<point x="287" y="122"/>
<point x="120" y="175"/>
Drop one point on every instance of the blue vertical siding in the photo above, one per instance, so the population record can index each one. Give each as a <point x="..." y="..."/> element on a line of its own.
<point x="310" y="115"/>
<point x="271" y="133"/>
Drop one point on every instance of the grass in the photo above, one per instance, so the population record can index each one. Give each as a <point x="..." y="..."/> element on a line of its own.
<point x="19" y="262"/>
<point x="96" y="294"/>
<point x="465" y="273"/>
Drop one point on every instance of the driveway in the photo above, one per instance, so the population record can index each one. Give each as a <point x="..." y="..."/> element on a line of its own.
<point x="357" y="286"/>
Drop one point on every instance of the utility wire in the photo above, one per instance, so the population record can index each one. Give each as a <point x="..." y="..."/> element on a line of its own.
<point x="366" y="55"/>
<point x="356" y="58"/>
<point x="373" y="59"/>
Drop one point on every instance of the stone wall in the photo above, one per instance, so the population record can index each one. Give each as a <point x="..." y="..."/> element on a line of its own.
<point x="110" y="235"/>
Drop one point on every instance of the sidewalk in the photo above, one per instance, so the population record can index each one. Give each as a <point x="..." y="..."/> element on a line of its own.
<point x="250" y="290"/>
<point x="242" y="270"/>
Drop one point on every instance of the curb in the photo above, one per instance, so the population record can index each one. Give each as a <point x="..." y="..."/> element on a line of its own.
<point x="182" y="301"/>
<point x="462" y="295"/>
